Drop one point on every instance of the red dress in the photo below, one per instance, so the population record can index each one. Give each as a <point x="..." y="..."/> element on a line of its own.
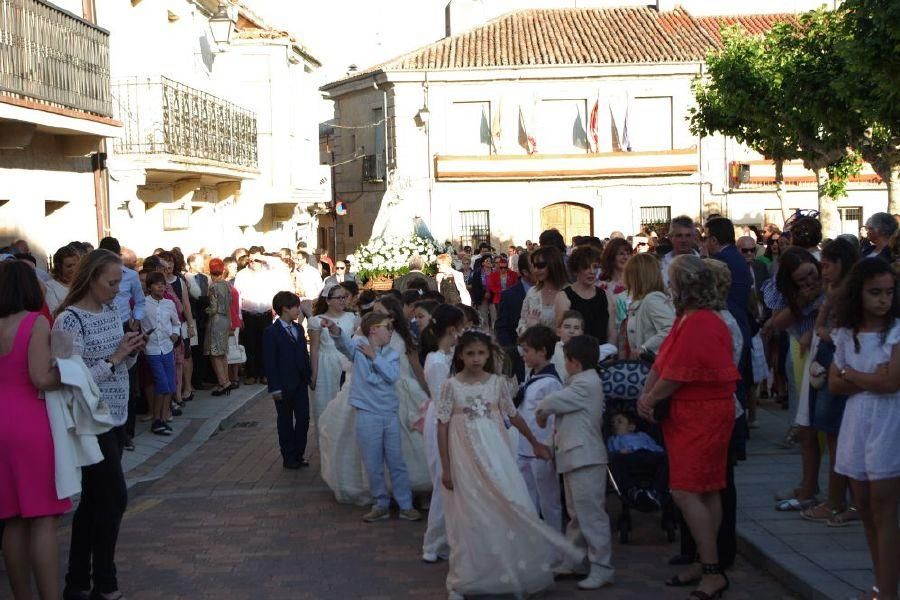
<point x="697" y="353"/>
<point x="27" y="466"/>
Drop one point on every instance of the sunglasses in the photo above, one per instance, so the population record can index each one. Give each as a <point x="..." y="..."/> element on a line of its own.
<point x="748" y="250"/>
<point x="539" y="265"/>
<point x="340" y="268"/>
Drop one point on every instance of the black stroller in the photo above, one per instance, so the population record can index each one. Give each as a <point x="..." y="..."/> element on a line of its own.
<point x="640" y="479"/>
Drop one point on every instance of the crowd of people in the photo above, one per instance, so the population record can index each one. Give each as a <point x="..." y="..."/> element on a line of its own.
<point x="472" y="390"/>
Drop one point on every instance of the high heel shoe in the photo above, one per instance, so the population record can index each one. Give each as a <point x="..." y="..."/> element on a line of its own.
<point x="225" y="391"/>
<point x="711" y="569"/>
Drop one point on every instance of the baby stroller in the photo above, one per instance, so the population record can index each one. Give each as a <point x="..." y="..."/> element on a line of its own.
<point x="640" y="479"/>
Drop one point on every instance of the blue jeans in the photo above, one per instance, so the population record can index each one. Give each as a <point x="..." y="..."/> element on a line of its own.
<point x="378" y="438"/>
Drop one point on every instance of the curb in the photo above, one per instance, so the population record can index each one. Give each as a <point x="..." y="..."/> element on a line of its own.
<point x="219" y="422"/>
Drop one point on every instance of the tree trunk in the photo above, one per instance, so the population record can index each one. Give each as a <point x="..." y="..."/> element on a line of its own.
<point x="780" y="192"/>
<point x="828" y="212"/>
<point x="893" y="189"/>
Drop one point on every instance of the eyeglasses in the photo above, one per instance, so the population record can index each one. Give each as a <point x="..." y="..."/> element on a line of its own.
<point x="748" y="250"/>
<point x="340" y="268"/>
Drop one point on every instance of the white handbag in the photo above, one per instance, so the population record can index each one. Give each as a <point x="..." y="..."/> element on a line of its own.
<point x="236" y="354"/>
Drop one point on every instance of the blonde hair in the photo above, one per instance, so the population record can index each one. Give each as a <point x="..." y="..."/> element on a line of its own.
<point x="723" y="280"/>
<point x="693" y="284"/>
<point x="444" y="259"/>
<point x="89" y="269"/>
<point x="643" y="275"/>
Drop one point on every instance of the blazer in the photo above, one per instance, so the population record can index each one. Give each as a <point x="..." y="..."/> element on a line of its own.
<point x="649" y="322"/>
<point x="286" y="361"/>
<point x="739" y="294"/>
<point x="578" y="409"/>
<point x="508" y="313"/>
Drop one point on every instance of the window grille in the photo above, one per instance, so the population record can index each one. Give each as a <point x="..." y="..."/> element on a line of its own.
<point x="474" y="227"/>
<point x="657" y="218"/>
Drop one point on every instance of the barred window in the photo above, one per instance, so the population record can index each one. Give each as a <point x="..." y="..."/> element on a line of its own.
<point x="656" y="218"/>
<point x="474" y="227"/>
<point x="851" y="219"/>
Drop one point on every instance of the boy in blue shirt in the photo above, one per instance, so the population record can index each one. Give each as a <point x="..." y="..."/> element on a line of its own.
<point x="376" y="368"/>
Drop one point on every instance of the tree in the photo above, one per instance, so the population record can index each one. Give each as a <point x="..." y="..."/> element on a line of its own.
<point x="871" y="84"/>
<point x="825" y="124"/>
<point x="742" y="97"/>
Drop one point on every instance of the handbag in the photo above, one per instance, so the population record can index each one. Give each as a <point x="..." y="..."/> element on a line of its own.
<point x="236" y="354"/>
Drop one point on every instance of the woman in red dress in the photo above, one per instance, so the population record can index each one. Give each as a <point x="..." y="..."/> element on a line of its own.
<point x="694" y="369"/>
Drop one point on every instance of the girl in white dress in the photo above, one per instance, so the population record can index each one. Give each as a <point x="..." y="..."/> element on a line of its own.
<point x="412" y="390"/>
<point x="437" y="342"/>
<point x="866" y="367"/>
<point x="327" y="363"/>
<point x="498" y="545"/>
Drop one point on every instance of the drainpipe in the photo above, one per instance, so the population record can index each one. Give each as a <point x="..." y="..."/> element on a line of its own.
<point x="98" y="160"/>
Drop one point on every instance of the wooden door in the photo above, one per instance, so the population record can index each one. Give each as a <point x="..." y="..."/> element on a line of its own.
<point x="569" y="218"/>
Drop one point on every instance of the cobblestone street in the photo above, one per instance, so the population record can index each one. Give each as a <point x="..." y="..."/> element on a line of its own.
<point x="229" y="522"/>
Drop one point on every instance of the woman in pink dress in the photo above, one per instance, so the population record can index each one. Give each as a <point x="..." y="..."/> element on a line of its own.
<point x="28" y="503"/>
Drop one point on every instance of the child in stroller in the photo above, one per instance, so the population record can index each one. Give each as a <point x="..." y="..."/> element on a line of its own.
<point x="637" y="461"/>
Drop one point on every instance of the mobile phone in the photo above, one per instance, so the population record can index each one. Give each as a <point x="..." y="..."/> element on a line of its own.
<point x="149" y="331"/>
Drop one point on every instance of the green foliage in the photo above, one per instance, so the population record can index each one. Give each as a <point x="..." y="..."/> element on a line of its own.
<point x="839" y="173"/>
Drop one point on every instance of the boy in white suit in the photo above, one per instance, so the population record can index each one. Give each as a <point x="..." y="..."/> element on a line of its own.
<point x="580" y="455"/>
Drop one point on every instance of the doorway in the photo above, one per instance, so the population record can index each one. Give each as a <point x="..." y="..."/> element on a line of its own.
<point x="569" y="218"/>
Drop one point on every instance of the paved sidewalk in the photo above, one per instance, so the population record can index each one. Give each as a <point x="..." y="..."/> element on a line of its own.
<point x="230" y="522"/>
<point x="816" y="561"/>
<point x="156" y="455"/>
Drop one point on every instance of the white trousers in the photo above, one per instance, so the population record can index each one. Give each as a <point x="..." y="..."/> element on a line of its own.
<point x="589" y="525"/>
<point x="435" y="540"/>
<point x="543" y="486"/>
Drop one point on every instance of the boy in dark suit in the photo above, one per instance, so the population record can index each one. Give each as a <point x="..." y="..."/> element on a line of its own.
<point x="286" y="361"/>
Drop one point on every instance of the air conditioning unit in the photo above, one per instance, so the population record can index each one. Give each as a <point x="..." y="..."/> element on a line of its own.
<point x="373" y="167"/>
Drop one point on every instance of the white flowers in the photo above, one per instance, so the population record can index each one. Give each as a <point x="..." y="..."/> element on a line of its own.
<point x="389" y="257"/>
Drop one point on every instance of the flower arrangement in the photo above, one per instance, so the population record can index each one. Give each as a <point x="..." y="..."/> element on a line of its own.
<point x="389" y="257"/>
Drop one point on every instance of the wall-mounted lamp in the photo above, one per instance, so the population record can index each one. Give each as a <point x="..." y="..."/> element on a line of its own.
<point x="423" y="116"/>
<point x="126" y="206"/>
<point x="222" y="23"/>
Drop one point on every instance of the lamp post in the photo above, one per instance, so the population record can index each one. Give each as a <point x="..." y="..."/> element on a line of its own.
<point x="222" y="23"/>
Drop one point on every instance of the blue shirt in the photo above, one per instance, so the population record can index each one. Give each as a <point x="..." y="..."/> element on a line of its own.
<point x="372" y="379"/>
<point x="130" y="289"/>
<point x="739" y="293"/>
<point x="632" y="442"/>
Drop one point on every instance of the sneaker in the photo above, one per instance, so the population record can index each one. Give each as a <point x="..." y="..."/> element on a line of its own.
<point x="129" y="445"/>
<point x="430" y="557"/>
<point x="176" y="412"/>
<point x="159" y="428"/>
<point x="376" y="514"/>
<point x="597" y="579"/>
<point x="410" y="514"/>
<point x="451" y="595"/>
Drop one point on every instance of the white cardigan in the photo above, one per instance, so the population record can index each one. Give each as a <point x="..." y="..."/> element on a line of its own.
<point x="77" y="415"/>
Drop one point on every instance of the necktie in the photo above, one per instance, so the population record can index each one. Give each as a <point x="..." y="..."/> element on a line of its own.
<point x="290" y="330"/>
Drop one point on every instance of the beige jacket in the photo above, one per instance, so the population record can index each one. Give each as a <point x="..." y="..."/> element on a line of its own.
<point x="649" y="322"/>
<point x="578" y="439"/>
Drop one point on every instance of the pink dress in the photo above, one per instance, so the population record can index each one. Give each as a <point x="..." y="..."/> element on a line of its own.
<point x="27" y="471"/>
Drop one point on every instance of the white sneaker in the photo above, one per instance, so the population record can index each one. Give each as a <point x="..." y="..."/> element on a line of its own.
<point x="597" y="579"/>
<point x="430" y="557"/>
<point x="455" y="596"/>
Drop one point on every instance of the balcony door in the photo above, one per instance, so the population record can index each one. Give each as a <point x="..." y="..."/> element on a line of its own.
<point x="569" y="218"/>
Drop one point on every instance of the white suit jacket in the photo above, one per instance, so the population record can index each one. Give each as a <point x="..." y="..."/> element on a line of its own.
<point x="578" y="436"/>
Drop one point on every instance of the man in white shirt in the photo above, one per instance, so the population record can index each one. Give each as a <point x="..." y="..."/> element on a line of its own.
<point x="309" y="281"/>
<point x="683" y="235"/>
<point x="257" y="284"/>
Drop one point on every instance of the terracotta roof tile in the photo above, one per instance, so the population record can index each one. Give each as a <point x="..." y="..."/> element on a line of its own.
<point x="578" y="36"/>
<point x="752" y="24"/>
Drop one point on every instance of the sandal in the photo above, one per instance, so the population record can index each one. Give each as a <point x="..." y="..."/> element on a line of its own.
<point x="792" y="504"/>
<point x="676" y="581"/>
<point x="711" y="569"/>
<point x="820" y="513"/>
<point x="844" y="518"/>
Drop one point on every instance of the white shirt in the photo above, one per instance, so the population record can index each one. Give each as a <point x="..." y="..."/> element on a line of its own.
<point x="533" y="395"/>
<point x="257" y="289"/>
<point x="666" y="262"/>
<point x="162" y="318"/>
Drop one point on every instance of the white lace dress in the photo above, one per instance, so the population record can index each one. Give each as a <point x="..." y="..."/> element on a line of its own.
<point x="498" y="544"/>
<point x="331" y="362"/>
<point x="869" y="439"/>
<point x="412" y="399"/>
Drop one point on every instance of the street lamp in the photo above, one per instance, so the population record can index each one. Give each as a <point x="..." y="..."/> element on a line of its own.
<point x="222" y="23"/>
<point x="423" y="116"/>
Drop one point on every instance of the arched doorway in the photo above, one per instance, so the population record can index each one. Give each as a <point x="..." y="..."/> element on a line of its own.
<point x="569" y="218"/>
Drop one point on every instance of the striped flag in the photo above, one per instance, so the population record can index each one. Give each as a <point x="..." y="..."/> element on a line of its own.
<point x="594" y="126"/>
<point x="526" y="139"/>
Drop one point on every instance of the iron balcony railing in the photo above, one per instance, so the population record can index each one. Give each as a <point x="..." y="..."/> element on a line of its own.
<point x="161" y="116"/>
<point x="53" y="56"/>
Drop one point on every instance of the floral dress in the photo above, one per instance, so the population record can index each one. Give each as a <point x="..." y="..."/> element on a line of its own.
<point x="498" y="544"/>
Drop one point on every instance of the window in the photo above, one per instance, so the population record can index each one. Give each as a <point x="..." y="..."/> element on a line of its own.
<point x="474" y="227"/>
<point x="851" y="219"/>
<point x="649" y="123"/>
<point x="656" y="218"/>
<point x="469" y="129"/>
<point x="563" y="126"/>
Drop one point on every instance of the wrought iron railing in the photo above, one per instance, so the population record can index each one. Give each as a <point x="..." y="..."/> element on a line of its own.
<point x="161" y="116"/>
<point x="51" y="55"/>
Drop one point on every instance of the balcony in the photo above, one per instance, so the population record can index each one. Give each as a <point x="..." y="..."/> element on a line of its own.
<point x="566" y="166"/>
<point x="51" y="55"/>
<point x="171" y="127"/>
